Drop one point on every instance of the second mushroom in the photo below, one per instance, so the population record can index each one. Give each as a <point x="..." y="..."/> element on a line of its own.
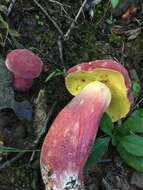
<point x="25" y="67"/>
<point x="98" y="86"/>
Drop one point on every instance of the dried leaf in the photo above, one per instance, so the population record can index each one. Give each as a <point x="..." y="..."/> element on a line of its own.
<point x="133" y="34"/>
<point x="7" y="100"/>
<point x="23" y="110"/>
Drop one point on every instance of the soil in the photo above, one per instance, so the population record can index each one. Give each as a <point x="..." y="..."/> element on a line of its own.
<point x="105" y="35"/>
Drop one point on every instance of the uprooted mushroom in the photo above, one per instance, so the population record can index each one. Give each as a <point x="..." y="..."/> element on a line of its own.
<point x="98" y="86"/>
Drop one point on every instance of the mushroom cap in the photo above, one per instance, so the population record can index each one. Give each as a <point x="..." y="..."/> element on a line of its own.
<point x="114" y="75"/>
<point x="24" y="63"/>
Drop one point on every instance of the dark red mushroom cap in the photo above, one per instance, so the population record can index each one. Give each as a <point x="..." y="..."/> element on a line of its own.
<point x="24" y="63"/>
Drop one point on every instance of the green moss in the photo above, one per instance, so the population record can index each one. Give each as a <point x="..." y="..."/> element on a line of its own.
<point x="114" y="39"/>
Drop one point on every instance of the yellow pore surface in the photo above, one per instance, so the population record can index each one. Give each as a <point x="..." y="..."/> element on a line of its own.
<point x="120" y="104"/>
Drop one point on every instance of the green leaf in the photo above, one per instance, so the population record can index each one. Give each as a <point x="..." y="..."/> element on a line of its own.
<point x="133" y="161"/>
<point x="54" y="74"/>
<point x="114" y="3"/>
<point x="136" y="89"/>
<point x="134" y="123"/>
<point x="106" y="124"/>
<point x="133" y="144"/>
<point x="99" y="148"/>
<point x="110" y="20"/>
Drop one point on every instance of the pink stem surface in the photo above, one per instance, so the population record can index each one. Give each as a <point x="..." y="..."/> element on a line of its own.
<point x="70" y="138"/>
<point x="21" y="84"/>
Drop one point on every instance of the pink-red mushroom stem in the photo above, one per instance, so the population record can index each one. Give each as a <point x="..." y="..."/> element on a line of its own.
<point x="21" y="84"/>
<point x="70" y="138"/>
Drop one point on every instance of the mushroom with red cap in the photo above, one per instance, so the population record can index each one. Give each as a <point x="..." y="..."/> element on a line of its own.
<point x="98" y="86"/>
<point x="25" y="66"/>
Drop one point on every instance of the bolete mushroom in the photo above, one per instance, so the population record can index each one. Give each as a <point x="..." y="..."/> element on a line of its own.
<point x="25" y="66"/>
<point x="109" y="72"/>
<point x="99" y="86"/>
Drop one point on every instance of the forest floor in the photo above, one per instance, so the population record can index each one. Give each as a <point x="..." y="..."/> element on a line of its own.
<point x="106" y="34"/>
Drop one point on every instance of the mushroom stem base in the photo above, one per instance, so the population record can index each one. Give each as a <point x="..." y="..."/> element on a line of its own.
<point x="77" y="188"/>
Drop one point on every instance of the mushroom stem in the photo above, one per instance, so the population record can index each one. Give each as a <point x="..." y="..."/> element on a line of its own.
<point x="21" y="84"/>
<point x="70" y="138"/>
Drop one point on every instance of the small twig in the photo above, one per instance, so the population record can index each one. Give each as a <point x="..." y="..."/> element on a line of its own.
<point x="10" y="7"/>
<point x="66" y="36"/>
<point x="105" y="161"/>
<point x="75" y="20"/>
<point x="46" y="125"/>
<point x="49" y="17"/>
<point x="59" y="31"/>
<point x="104" y="15"/>
<point x="61" y="4"/>
<point x="60" y="45"/>
<point x="8" y="163"/>
<point x="43" y="130"/>
<point x="137" y="104"/>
